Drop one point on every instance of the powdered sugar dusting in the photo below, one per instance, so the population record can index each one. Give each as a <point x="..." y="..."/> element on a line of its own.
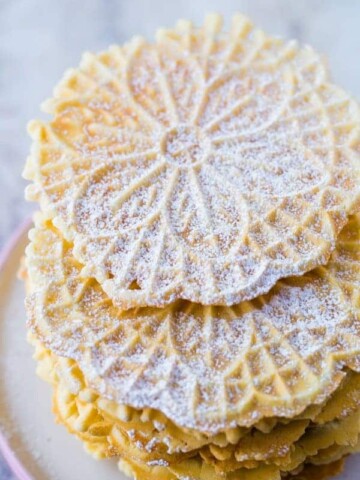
<point x="206" y="368"/>
<point x="197" y="173"/>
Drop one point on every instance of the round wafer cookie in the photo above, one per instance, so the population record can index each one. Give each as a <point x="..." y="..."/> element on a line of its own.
<point x="84" y="416"/>
<point x="285" y="452"/>
<point x="309" y="472"/>
<point x="319" y="472"/>
<point x="205" y="166"/>
<point x="86" y="423"/>
<point x="120" y="445"/>
<point x="197" y="471"/>
<point x="208" y="369"/>
<point x="333" y="453"/>
<point x="162" y="437"/>
<point x="102" y="438"/>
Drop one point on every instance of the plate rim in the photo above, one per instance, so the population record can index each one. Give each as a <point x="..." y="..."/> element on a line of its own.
<point x="15" y="465"/>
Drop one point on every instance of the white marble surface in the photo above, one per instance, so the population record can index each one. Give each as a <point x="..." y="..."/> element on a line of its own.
<point x="40" y="38"/>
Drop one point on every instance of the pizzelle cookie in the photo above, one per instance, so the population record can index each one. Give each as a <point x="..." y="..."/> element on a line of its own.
<point x="103" y="438"/>
<point x="83" y="420"/>
<point x="205" y="368"/>
<point x="193" y="275"/>
<point x="320" y="472"/>
<point x="204" y="167"/>
<point x="154" y="433"/>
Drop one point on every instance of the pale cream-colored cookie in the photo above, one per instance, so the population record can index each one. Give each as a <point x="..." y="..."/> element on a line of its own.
<point x="154" y="433"/>
<point x="319" y="472"/>
<point x="102" y="438"/>
<point x="204" y="166"/>
<point x="308" y="472"/>
<point x="205" y="368"/>
<point x="282" y="448"/>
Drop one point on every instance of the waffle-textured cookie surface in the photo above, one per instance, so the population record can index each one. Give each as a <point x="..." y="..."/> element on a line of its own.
<point x="205" y="368"/>
<point x="156" y="434"/>
<point x="205" y="166"/>
<point x="103" y="436"/>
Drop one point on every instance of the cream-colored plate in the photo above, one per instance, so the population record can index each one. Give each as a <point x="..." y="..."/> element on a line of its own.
<point x="34" y="445"/>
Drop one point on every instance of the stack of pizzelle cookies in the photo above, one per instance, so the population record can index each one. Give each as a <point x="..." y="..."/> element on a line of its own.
<point x="193" y="273"/>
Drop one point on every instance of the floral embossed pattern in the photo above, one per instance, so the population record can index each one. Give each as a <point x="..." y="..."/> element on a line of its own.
<point x="203" y="167"/>
<point x="206" y="368"/>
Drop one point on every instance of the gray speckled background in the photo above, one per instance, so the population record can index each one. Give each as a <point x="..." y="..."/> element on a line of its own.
<point x="40" y="38"/>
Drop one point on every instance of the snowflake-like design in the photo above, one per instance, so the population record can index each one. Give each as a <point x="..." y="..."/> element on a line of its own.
<point x="204" y="367"/>
<point x="205" y="166"/>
